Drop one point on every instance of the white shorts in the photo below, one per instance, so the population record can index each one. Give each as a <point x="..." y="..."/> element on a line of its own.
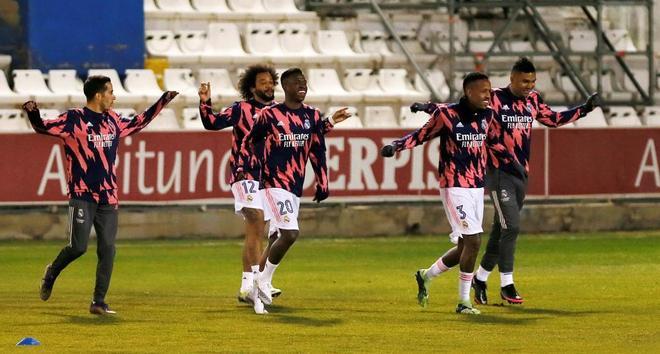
<point x="247" y="195"/>
<point x="464" y="208"/>
<point x="281" y="208"/>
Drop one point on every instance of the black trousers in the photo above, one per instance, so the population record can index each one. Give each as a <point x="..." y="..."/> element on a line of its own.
<point x="507" y="193"/>
<point x="82" y="216"/>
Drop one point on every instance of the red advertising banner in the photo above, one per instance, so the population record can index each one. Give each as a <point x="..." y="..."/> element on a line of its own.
<point x="193" y="167"/>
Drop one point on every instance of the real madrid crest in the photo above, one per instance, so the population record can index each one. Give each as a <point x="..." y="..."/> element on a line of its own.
<point x="307" y="124"/>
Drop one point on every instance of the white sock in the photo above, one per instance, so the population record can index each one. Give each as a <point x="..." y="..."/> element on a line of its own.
<point x="464" y="282"/>
<point x="269" y="270"/>
<point x="482" y="274"/>
<point x="246" y="281"/>
<point x="506" y="279"/>
<point x="255" y="272"/>
<point x="436" y="269"/>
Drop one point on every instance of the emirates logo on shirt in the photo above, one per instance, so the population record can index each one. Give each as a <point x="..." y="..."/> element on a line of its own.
<point x="101" y="140"/>
<point x="293" y="140"/>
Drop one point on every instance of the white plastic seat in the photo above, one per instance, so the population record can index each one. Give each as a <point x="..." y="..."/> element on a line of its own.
<point x="480" y="41"/>
<point x="67" y="83"/>
<point x="395" y="82"/>
<point x="335" y="44"/>
<point x="414" y="47"/>
<point x="288" y="9"/>
<point x="216" y="7"/>
<point x="223" y="46"/>
<point x="150" y="8"/>
<point x="354" y="122"/>
<point x="380" y="117"/>
<point x="124" y="98"/>
<point x="261" y="39"/>
<point x="162" y="43"/>
<point x="175" y="7"/>
<point x="642" y="77"/>
<point x="296" y="42"/>
<point x="594" y="119"/>
<point x="520" y="46"/>
<point x="222" y="87"/>
<point x="191" y="42"/>
<point x="12" y="120"/>
<point x="165" y="121"/>
<point x="545" y="85"/>
<point x="609" y="91"/>
<point x="582" y="41"/>
<point x="621" y="40"/>
<point x="437" y="79"/>
<point x="499" y="79"/>
<point x="143" y="82"/>
<point x="651" y="116"/>
<point x="623" y="117"/>
<point x="365" y="83"/>
<point x="409" y="119"/>
<point x="9" y="97"/>
<point x="325" y="83"/>
<point x="191" y="119"/>
<point x="374" y="43"/>
<point x="254" y="9"/>
<point x="31" y="82"/>
<point x="182" y="81"/>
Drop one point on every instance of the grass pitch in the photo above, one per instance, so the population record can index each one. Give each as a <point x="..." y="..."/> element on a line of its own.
<point x="584" y="292"/>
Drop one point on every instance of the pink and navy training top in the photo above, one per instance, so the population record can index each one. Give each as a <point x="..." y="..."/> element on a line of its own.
<point x="290" y="137"/>
<point x="91" y="141"/>
<point x="464" y="135"/>
<point x="515" y="115"/>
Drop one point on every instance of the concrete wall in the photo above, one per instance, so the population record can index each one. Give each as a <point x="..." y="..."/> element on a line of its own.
<point x="333" y="220"/>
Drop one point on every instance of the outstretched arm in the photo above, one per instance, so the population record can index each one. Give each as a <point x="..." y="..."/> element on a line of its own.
<point x="131" y="126"/>
<point x="54" y="127"/>
<point x="339" y="116"/>
<point x="553" y="119"/>
<point x="433" y="127"/>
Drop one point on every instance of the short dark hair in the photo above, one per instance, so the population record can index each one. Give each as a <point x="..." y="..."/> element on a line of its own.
<point x="290" y="72"/>
<point x="93" y="85"/>
<point x="523" y="65"/>
<point x="472" y="77"/>
<point x="248" y="79"/>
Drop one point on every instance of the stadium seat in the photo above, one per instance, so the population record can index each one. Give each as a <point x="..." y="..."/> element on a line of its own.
<point x="499" y="79"/>
<point x="287" y="8"/>
<point x="623" y="117"/>
<point x="65" y="82"/>
<point x="222" y="87"/>
<point x="296" y="42"/>
<point x="545" y="84"/>
<point x="373" y="43"/>
<point x="191" y="43"/>
<point x="171" y="8"/>
<point x="582" y="41"/>
<point x="621" y="40"/>
<point x="651" y="116"/>
<point x="414" y="47"/>
<point x="364" y="82"/>
<point x="480" y="41"/>
<point x="47" y="114"/>
<point x="162" y="43"/>
<point x="380" y="117"/>
<point x="609" y="89"/>
<point x="261" y="39"/>
<point x="143" y="82"/>
<point x="9" y="97"/>
<point x="519" y="46"/>
<point x="224" y="46"/>
<point x="409" y="119"/>
<point x="124" y="98"/>
<point x="335" y="45"/>
<point x="218" y="9"/>
<point x="593" y="119"/>
<point x="31" y="82"/>
<point x="354" y="122"/>
<point x="183" y="81"/>
<point x="165" y="121"/>
<point x="150" y="7"/>
<point x="13" y="121"/>
<point x="437" y="79"/>
<point x="324" y="85"/>
<point x="642" y="77"/>
<point x="255" y="10"/>
<point x="395" y="82"/>
<point x="191" y="119"/>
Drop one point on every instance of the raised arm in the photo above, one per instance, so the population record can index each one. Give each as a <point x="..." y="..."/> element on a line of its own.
<point x="54" y="127"/>
<point x="131" y="126"/>
<point x="433" y="127"/>
<point x="550" y="118"/>
<point x="211" y="121"/>
<point x="337" y="117"/>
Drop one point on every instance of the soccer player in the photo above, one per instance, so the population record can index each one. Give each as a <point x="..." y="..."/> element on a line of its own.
<point x="516" y="106"/>
<point x="292" y="133"/>
<point x="256" y="86"/>
<point x="91" y="139"/>
<point x="464" y="129"/>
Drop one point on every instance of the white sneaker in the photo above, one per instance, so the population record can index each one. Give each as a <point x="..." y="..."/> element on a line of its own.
<point x="265" y="292"/>
<point x="259" y="308"/>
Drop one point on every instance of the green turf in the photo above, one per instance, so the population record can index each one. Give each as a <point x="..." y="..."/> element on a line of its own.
<point x="585" y="293"/>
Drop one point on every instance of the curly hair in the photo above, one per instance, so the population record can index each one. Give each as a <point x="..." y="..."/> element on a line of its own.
<point x="248" y="79"/>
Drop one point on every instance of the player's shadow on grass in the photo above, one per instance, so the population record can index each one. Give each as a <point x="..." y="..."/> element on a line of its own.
<point x="90" y="319"/>
<point x="285" y="314"/>
<point x="553" y="312"/>
<point x="495" y="319"/>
